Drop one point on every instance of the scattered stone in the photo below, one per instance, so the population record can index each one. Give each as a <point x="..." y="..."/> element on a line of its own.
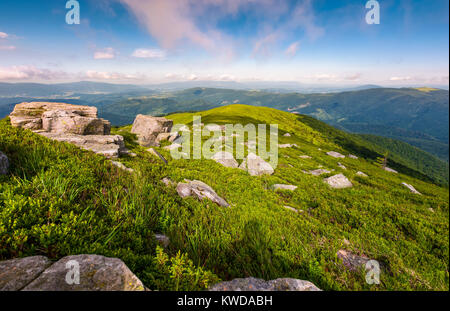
<point x="351" y="156"/>
<point x="173" y="146"/>
<point x="287" y="135"/>
<point x="256" y="166"/>
<point x="226" y="159"/>
<point x="15" y="274"/>
<point x="341" y="166"/>
<point x="254" y="284"/>
<point x="97" y="273"/>
<point x="157" y="154"/>
<point x="110" y="146"/>
<point x="411" y="188"/>
<point x="168" y="182"/>
<point x="291" y="208"/>
<point x="305" y="156"/>
<point x="284" y="187"/>
<point x="129" y="153"/>
<point x="201" y="191"/>
<point x="162" y="137"/>
<point x="338" y="181"/>
<point x="59" y="118"/>
<point x="4" y="164"/>
<point x="287" y="145"/>
<point x="147" y="129"/>
<point x="122" y="166"/>
<point x="319" y="172"/>
<point x="361" y="174"/>
<point x="387" y="169"/>
<point x="335" y="154"/>
<point x="162" y="239"/>
<point x="352" y="261"/>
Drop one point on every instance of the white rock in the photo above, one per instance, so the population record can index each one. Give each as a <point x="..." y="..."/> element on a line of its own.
<point x="284" y="187"/>
<point x="411" y="188"/>
<point x="338" y="181"/>
<point x="335" y="154"/>
<point x="361" y="174"/>
<point x="256" y="166"/>
<point x="387" y="169"/>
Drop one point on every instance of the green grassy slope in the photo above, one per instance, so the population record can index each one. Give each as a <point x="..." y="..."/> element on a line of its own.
<point x="60" y="200"/>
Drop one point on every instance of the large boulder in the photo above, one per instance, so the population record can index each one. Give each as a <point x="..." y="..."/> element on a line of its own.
<point x="96" y="273"/>
<point x="226" y="159"/>
<point x="147" y="129"/>
<point x="111" y="146"/>
<point x="4" y="164"/>
<point x="201" y="191"/>
<point x="338" y="181"/>
<point x="256" y="166"/>
<point x="254" y="284"/>
<point x="15" y="274"/>
<point x="59" y="118"/>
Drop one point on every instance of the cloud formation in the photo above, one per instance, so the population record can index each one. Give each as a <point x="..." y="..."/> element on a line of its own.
<point x="149" y="53"/>
<point x="292" y="49"/>
<point x="29" y="73"/>
<point x="3" y="35"/>
<point x="108" y="53"/>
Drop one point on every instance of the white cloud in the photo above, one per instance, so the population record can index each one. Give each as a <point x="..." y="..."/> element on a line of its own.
<point x="292" y="49"/>
<point x="149" y="53"/>
<point x="3" y="35"/>
<point x="107" y="53"/>
<point x="408" y="78"/>
<point x="101" y="75"/>
<point x="30" y="72"/>
<point x="7" y="47"/>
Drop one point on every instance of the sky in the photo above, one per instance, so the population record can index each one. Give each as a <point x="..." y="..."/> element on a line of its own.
<point x="159" y="41"/>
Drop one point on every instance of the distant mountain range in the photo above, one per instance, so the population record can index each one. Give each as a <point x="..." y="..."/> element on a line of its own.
<point x="418" y="116"/>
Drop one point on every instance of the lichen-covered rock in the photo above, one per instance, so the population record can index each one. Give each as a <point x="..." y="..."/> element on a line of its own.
<point x="226" y="159"/>
<point x="201" y="191"/>
<point x="111" y="146"/>
<point x="338" y="181"/>
<point x="97" y="273"/>
<point x="254" y="284"/>
<point x="147" y="129"/>
<point x="284" y="187"/>
<point x="4" y="164"/>
<point x="335" y="154"/>
<point x="256" y="166"/>
<point x="411" y="188"/>
<point x="15" y="274"/>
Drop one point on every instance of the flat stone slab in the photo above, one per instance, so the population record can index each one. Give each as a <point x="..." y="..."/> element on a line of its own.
<point x="390" y="170"/>
<point x="97" y="273"/>
<point x="338" y="181"/>
<point x="15" y="274"/>
<point x="305" y="157"/>
<point x="319" y="172"/>
<point x="284" y="187"/>
<point x="335" y="154"/>
<point x="362" y="174"/>
<point x="226" y="159"/>
<point x="201" y="191"/>
<point x="411" y="188"/>
<point x="351" y="156"/>
<point x="254" y="284"/>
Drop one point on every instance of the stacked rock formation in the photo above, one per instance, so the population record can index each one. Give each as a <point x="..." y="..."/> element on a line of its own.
<point x="78" y="125"/>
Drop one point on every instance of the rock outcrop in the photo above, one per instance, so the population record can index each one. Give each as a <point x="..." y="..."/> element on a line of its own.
<point x="96" y="273"/>
<point x="78" y="125"/>
<point x="226" y="159"/>
<point x="338" y="181"/>
<point x="256" y="166"/>
<point x="59" y="118"/>
<point x="149" y="129"/>
<point x="254" y="284"/>
<point x="4" y="164"/>
<point x="411" y="188"/>
<point x="201" y="191"/>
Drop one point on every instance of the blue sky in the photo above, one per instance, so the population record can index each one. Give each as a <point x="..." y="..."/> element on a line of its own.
<point x="156" y="41"/>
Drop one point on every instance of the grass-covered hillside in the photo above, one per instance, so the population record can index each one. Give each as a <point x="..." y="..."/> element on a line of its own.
<point x="59" y="200"/>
